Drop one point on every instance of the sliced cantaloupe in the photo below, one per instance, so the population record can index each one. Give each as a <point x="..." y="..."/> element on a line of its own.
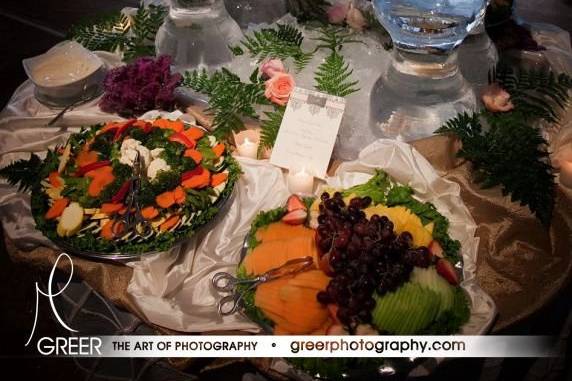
<point x="295" y="309"/>
<point x="270" y="255"/>
<point x="266" y="256"/>
<point x="290" y="302"/>
<point x="268" y="296"/>
<point x="282" y="231"/>
<point x="280" y="330"/>
<point x="315" y="279"/>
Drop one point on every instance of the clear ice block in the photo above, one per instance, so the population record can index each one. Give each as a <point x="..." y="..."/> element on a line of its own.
<point x="197" y="33"/>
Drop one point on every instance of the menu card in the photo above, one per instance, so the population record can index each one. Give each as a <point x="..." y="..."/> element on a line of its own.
<point x="308" y="132"/>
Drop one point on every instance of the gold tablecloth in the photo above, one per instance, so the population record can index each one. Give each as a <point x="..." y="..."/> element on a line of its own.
<point x="521" y="264"/>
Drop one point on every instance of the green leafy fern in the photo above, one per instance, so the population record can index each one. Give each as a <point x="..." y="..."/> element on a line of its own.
<point x="334" y="37"/>
<point x="333" y="76"/>
<point x="536" y="93"/>
<point x="23" y="173"/>
<point x="270" y="128"/>
<point x="144" y="26"/>
<point x="134" y="36"/>
<point x="230" y="99"/>
<point x="106" y="33"/>
<point x="510" y="154"/>
<point x="283" y="41"/>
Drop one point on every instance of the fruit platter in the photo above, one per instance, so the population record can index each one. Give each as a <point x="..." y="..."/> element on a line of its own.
<point x="122" y="189"/>
<point x="383" y="263"/>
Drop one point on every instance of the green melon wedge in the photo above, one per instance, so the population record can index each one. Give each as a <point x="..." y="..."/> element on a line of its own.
<point x="406" y="311"/>
<point x="430" y="279"/>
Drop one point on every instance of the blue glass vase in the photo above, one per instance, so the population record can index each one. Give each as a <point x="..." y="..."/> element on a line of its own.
<point x="423" y="86"/>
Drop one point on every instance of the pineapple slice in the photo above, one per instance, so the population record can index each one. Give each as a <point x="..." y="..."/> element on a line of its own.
<point x="403" y="220"/>
<point x="71" y="220"/>
<point x="430" y="226"/>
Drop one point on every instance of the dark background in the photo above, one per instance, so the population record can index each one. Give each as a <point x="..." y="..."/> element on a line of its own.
<point x="28" y="28"/>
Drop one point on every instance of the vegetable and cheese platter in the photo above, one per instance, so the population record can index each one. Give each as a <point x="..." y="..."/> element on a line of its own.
<point x="122" y="189"/>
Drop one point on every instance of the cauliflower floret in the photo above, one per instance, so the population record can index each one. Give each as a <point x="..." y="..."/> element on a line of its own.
<point x="156" y="166"/>
<point x="129" y="150"/>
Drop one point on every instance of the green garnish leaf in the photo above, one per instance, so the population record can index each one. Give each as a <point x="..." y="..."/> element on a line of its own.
<point x="376" y="188"/>
<point x="263" y="219"/>
<point x="23" y="173"/>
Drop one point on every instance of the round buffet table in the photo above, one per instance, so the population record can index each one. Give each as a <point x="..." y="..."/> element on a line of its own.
<point x="521" y="264"/>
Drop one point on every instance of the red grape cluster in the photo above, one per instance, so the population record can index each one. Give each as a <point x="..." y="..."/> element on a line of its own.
<point x="362" y="256"/>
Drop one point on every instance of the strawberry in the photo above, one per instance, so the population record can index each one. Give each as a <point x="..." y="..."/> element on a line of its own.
<point x="296" y="217"/>
<point x="447" y="271"/>
<point x="295" y="203"/>
<point x="436" y="249"/>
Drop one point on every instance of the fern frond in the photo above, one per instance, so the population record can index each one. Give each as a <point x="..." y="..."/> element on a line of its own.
<point x="334" y="37"/>
<point x="270" y="128"/>
<point x="107" y="33"/>
<point x="23" y="173"/>
<point x="333" y="76"/>
<point x="511" y="154"/>
<point x="144" y="26"/>
<point x="283" y="41"/>
<point x="118" y="32"/>
<point x="537" y="93"/>
<point x="230" y="99"/>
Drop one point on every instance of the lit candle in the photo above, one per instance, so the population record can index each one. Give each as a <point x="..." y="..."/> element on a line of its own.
<point x="566" y="173"/>
<point x="247" y="143"/>
<point x="300" y="182"/>
<point x="248" y="149"/>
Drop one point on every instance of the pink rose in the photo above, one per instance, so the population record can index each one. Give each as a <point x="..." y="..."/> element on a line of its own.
<point x="271" y="67"/>
<point x="337" y="12"/>
<point x="279" y="87"/>
<point x="355" y="19"/>
<point x="496" y="99"/>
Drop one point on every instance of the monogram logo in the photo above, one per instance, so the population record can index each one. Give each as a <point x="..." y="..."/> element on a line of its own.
<point x="50" y="295"/>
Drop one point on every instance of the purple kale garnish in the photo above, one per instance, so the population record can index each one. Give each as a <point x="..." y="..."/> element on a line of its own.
<point x="143" y="85"/>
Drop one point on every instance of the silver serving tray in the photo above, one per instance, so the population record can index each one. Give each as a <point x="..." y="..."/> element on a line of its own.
<point x="118" y="256"/>
<point x="388" y="368"/>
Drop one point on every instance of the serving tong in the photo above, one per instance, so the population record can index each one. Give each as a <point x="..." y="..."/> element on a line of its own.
<point x="132" y="220"/>
<point x="225" y="282"/>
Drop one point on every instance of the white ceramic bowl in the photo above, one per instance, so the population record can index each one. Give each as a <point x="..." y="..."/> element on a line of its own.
<point x="65" y="74"/>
